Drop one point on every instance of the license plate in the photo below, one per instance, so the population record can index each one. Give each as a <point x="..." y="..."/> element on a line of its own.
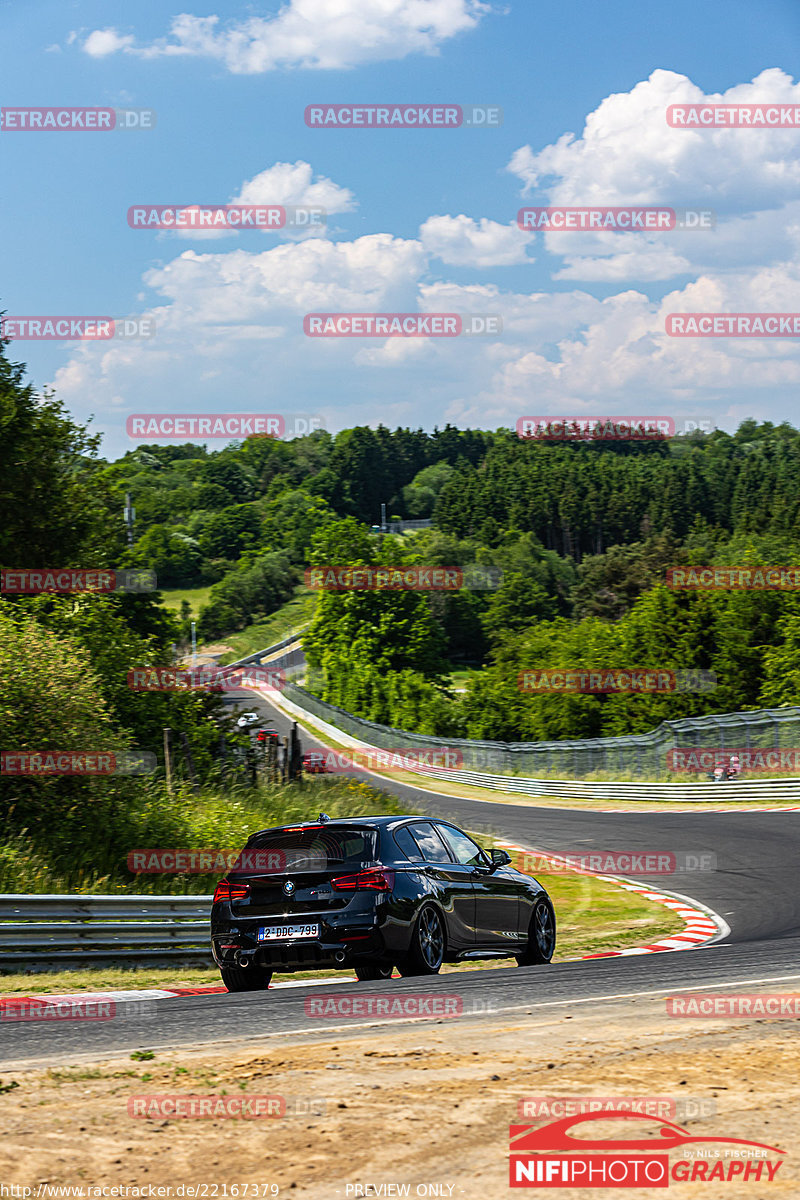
<point x="287" y="933"/>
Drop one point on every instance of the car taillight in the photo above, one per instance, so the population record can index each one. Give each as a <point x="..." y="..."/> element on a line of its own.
<point x="225" y="890"/>
<point x="376" y="879"/>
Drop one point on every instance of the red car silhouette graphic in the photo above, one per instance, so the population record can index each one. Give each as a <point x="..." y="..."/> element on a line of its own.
<point x="527" y="1139"/>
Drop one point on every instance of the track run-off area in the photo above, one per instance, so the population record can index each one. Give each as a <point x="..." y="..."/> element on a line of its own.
<point x="752" y="889"/>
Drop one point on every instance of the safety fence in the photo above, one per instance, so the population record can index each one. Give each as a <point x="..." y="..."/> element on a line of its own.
<point x="286" y="655"/>
<point x="761" y="791"/>
<point x="41" y="932"/>
<point x="774" y="731"/>
<point x="637" y="755"/>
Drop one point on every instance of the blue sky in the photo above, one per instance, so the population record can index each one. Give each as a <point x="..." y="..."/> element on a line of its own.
<point x="418" y="220"/>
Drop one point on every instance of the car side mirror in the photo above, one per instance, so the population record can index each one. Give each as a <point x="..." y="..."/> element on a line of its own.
<point x="499" y="858"/>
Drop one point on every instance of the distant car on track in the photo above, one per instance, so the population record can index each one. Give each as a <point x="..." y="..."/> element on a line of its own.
<point x="373" y="893"/>
<point x="246" y="720"/>
<point x="314" y="763"/>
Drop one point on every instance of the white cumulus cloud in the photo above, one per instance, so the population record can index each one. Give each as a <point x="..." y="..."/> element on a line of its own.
<point x="102" y="42"/>
<point x="322" y="34"/>
<point x="288" y="185"/>
<point x="463" y="242"/>
<point x="627" y="154"/>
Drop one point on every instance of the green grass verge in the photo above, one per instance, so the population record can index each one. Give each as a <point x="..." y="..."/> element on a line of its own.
<point x="285" y="620"/>
<point x="459" y="677"/>
<point x="289" y="617"/>
<point x="172" y="598"/>
<point x="153" y="819"/>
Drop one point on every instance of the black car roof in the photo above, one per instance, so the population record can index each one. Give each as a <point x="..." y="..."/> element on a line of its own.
<point x="348" y="822"/>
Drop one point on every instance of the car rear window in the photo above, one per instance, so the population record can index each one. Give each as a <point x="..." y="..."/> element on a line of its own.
<point x="316" y="847"/>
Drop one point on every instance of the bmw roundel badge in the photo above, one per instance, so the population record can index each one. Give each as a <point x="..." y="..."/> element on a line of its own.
<point x="288" y="887"/>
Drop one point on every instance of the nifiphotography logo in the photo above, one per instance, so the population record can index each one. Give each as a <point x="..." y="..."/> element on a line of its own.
<point x="642" y="1161"/>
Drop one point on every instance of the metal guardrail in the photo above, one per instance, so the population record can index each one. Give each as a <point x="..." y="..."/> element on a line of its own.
<point x="42" y="931"/>
<point x="401" y="525"/>
<point x="744" y="790"/>
<point x="749" y="790"/>
<point x="764" y="728"/>
<point x="634" y="754"/>
<point x="269" y="650"/>
<point x="292" y="661"/>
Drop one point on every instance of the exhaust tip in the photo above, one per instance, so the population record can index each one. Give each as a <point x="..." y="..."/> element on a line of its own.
<point x="243" y="960"/>
<point x="339" y="956"/>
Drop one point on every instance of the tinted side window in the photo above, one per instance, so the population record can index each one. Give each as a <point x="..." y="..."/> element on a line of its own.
<point x="432" y="847"/>
<point x="464" y="850"/>
<point x="407" y="844"/>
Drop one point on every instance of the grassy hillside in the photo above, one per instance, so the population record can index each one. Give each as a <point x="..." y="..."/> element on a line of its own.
<point x="285" y="620"/>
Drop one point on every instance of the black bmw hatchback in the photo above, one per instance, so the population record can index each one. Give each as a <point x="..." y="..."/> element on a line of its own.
<point x="373" y="893"/>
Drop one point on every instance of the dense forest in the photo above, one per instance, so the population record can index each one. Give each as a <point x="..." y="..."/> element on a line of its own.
<point x="582" y="534"/>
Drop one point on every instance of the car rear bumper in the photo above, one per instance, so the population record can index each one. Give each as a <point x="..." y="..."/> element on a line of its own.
<point x="300" y="956"/>
<point x="342" y="940"/>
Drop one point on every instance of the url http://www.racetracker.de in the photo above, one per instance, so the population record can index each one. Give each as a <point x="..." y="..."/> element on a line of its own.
<point x="88" y="1191"/>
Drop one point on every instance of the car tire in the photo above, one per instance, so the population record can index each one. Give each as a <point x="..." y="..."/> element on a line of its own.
<point x="366" y="971"/>
<point x="245" y="979"/>
<point x="426" y="951"/>
<point x="541" y="935"/>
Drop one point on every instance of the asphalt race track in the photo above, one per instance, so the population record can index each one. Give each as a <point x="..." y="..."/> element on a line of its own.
<point x="754" y="888"/>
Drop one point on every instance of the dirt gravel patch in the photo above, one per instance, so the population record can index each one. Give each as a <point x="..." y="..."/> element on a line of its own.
<point x="419" y="1105"/>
